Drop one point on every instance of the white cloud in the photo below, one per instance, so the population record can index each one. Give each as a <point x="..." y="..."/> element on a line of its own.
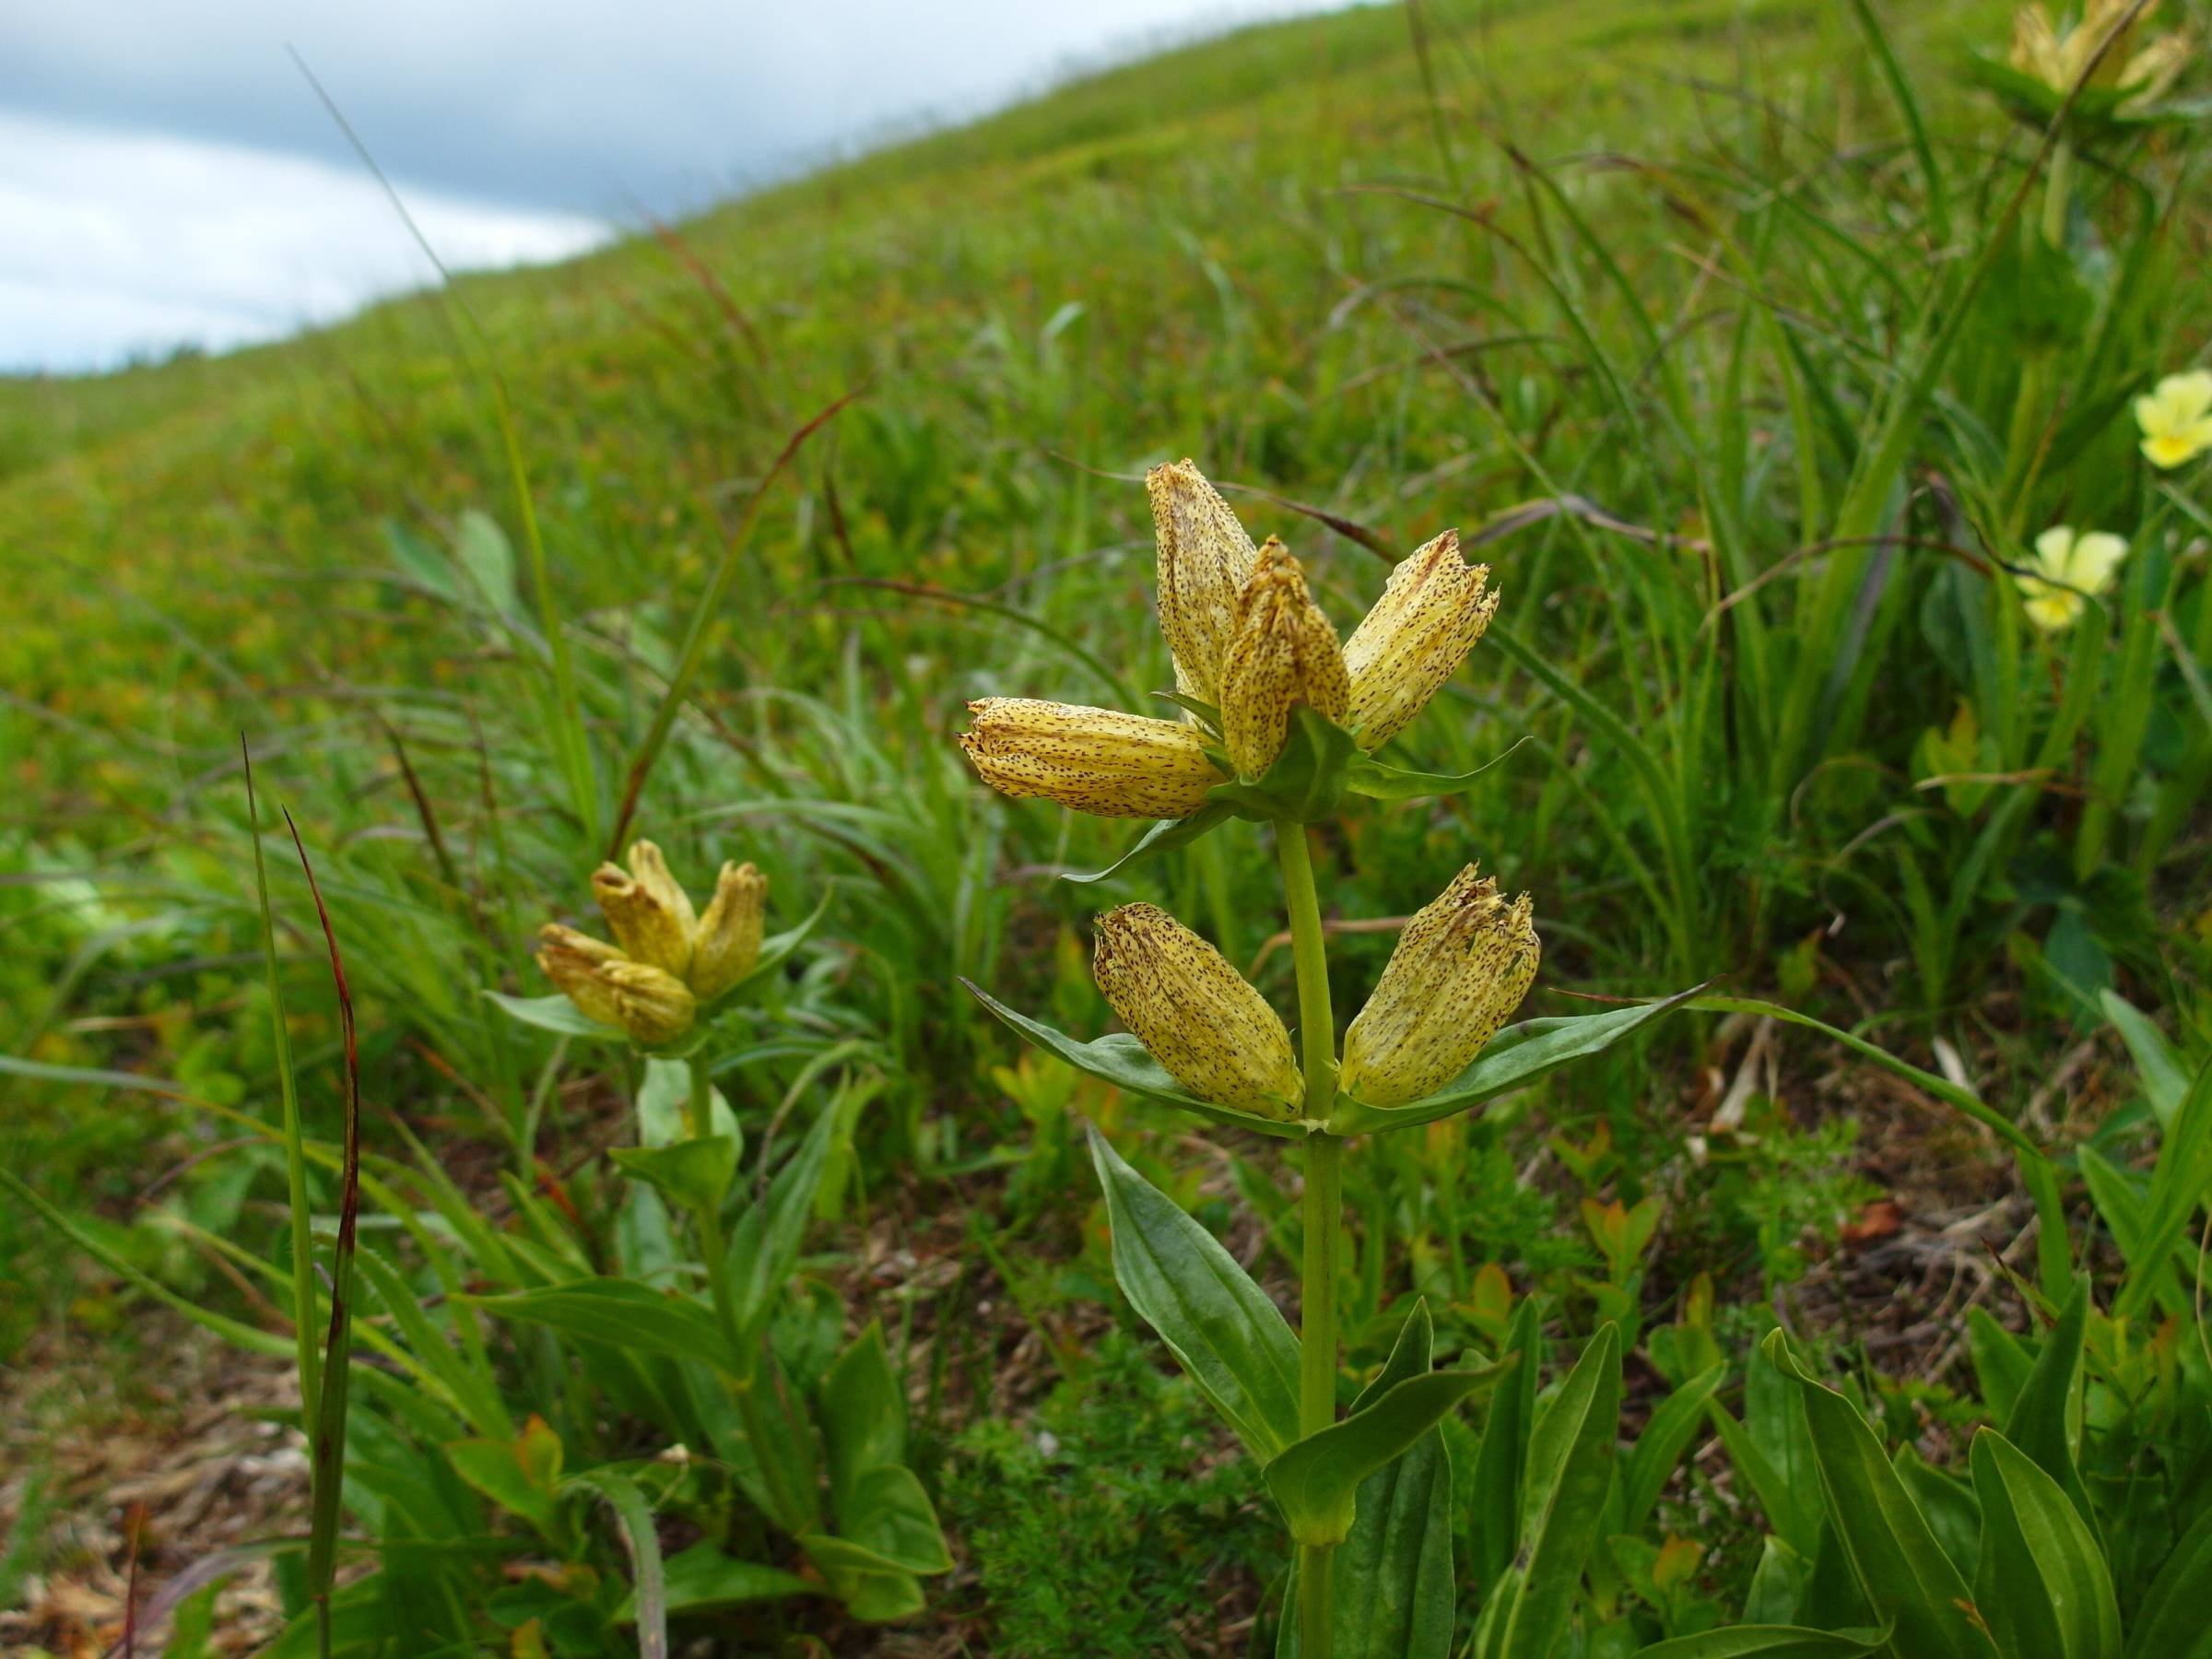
<point x="119" y="243"/>
<point x="175" y="181"/>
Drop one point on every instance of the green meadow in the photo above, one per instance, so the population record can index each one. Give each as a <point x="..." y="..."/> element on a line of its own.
<point x="1855" y="1297"/>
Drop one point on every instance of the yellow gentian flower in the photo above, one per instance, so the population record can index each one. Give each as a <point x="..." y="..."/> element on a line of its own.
<point x="1096" y="761"/>
<point x="2060" y="57"/>
<point x="1284" y="651"/>
<point x="1204" y="560"/>
<point x="1459" y="970"/>
<point x="650" y="1003"/>
<point x="1432" y="611"/>
<point x="667" y="960"/>
<point x="1197" y="1016"/>
<point x="2067" y="569"/>
<point x="1249" y="643"/>
<point x="2176" y="419"/>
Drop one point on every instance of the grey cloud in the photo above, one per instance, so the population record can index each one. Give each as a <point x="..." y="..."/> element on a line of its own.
<point x="589" y="108"/>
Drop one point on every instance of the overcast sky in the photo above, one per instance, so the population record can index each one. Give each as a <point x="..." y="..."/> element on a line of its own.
<point x="167" y="176"/>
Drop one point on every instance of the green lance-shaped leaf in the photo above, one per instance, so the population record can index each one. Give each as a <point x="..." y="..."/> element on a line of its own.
<point x="1892" y="1552"/>
<point x="2043" y="1584"/>
<point x="764" y="1245"/>
<point x="863" y="1412"/>
<point x="874" y="1589"/>
<point x="2045" y="1419"/>
<point x="1570" y="1468"/>
<point x="2164" y="1078"/>
<point x="1391" y="1581"/>
<point x="1515" y="1057"/>
<point x="1666" y="1435"/>
<point x="1502" y="1464"/>
<point x="1767" y="1641"/>
<point x="1120" y="1059"/>
<point x="1953" y="1511"/>
<point x="1163" y="836"/>
<point x="702" y="1579"/>
<point x="2171" y="1622"/>
<point x="691" y="1173"/>
<point x="557" y="1013"/>
<point x="878" y="1502"/>
<point x="619" y="1312"/>
<point x="1379" y="782"/>
<point x="2001" y="1361"/>
<point x="2179" y="1183"/>
<point x="1317" y="1480"/>
<point x="521" y="1475"/>
<point x="1219" y="1325"/>
<point x="1777" y="1584"/>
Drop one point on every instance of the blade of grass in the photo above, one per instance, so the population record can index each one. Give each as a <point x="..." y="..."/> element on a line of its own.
<point x="1900" y="91"/>
<point x="575" y="746"/>
<point x="1950" y="1093"/>
<point x="327" y="1451"/>
<point x="702" y="619"/>
<point x="295" y="1150"/>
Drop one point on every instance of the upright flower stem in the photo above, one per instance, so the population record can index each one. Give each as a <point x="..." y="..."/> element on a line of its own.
<point x="1323" y="1206"/>
<point x="707" y="1216"/>
<point x="793" y="1510"/>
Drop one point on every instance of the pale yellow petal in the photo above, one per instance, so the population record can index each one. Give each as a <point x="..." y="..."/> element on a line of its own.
<point x="2092" y="559"/>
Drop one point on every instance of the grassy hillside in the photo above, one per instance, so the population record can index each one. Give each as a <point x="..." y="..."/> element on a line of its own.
<point x="1691" y="268"/>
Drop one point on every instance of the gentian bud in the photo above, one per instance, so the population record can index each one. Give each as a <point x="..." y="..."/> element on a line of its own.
<point x="1460" y="970"/>
<point x="1432" y="611"/>
<point x="650" y="1003"/>
<point x="1284" y="653"/>
<point x="728" y="940"/>
<point x="1196" y="1015"/>
<point x="650" y="914"/>
<point x="1096" y="761"/>
<point x="1204" y="560"/>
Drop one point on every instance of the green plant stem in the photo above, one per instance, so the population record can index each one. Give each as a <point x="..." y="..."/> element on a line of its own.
<point x="707" y="1216"/>
<point x="2025" y="437"/>
<point x="1323" y="1212"/>
<point x="793" y="1515"/>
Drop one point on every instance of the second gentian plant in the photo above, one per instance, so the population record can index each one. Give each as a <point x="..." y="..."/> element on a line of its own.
<point x="1280" y="723"/>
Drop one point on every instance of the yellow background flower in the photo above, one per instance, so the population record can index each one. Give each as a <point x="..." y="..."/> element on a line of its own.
<point x="2067" y="566"/>
<point x="2176" y="417"/>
